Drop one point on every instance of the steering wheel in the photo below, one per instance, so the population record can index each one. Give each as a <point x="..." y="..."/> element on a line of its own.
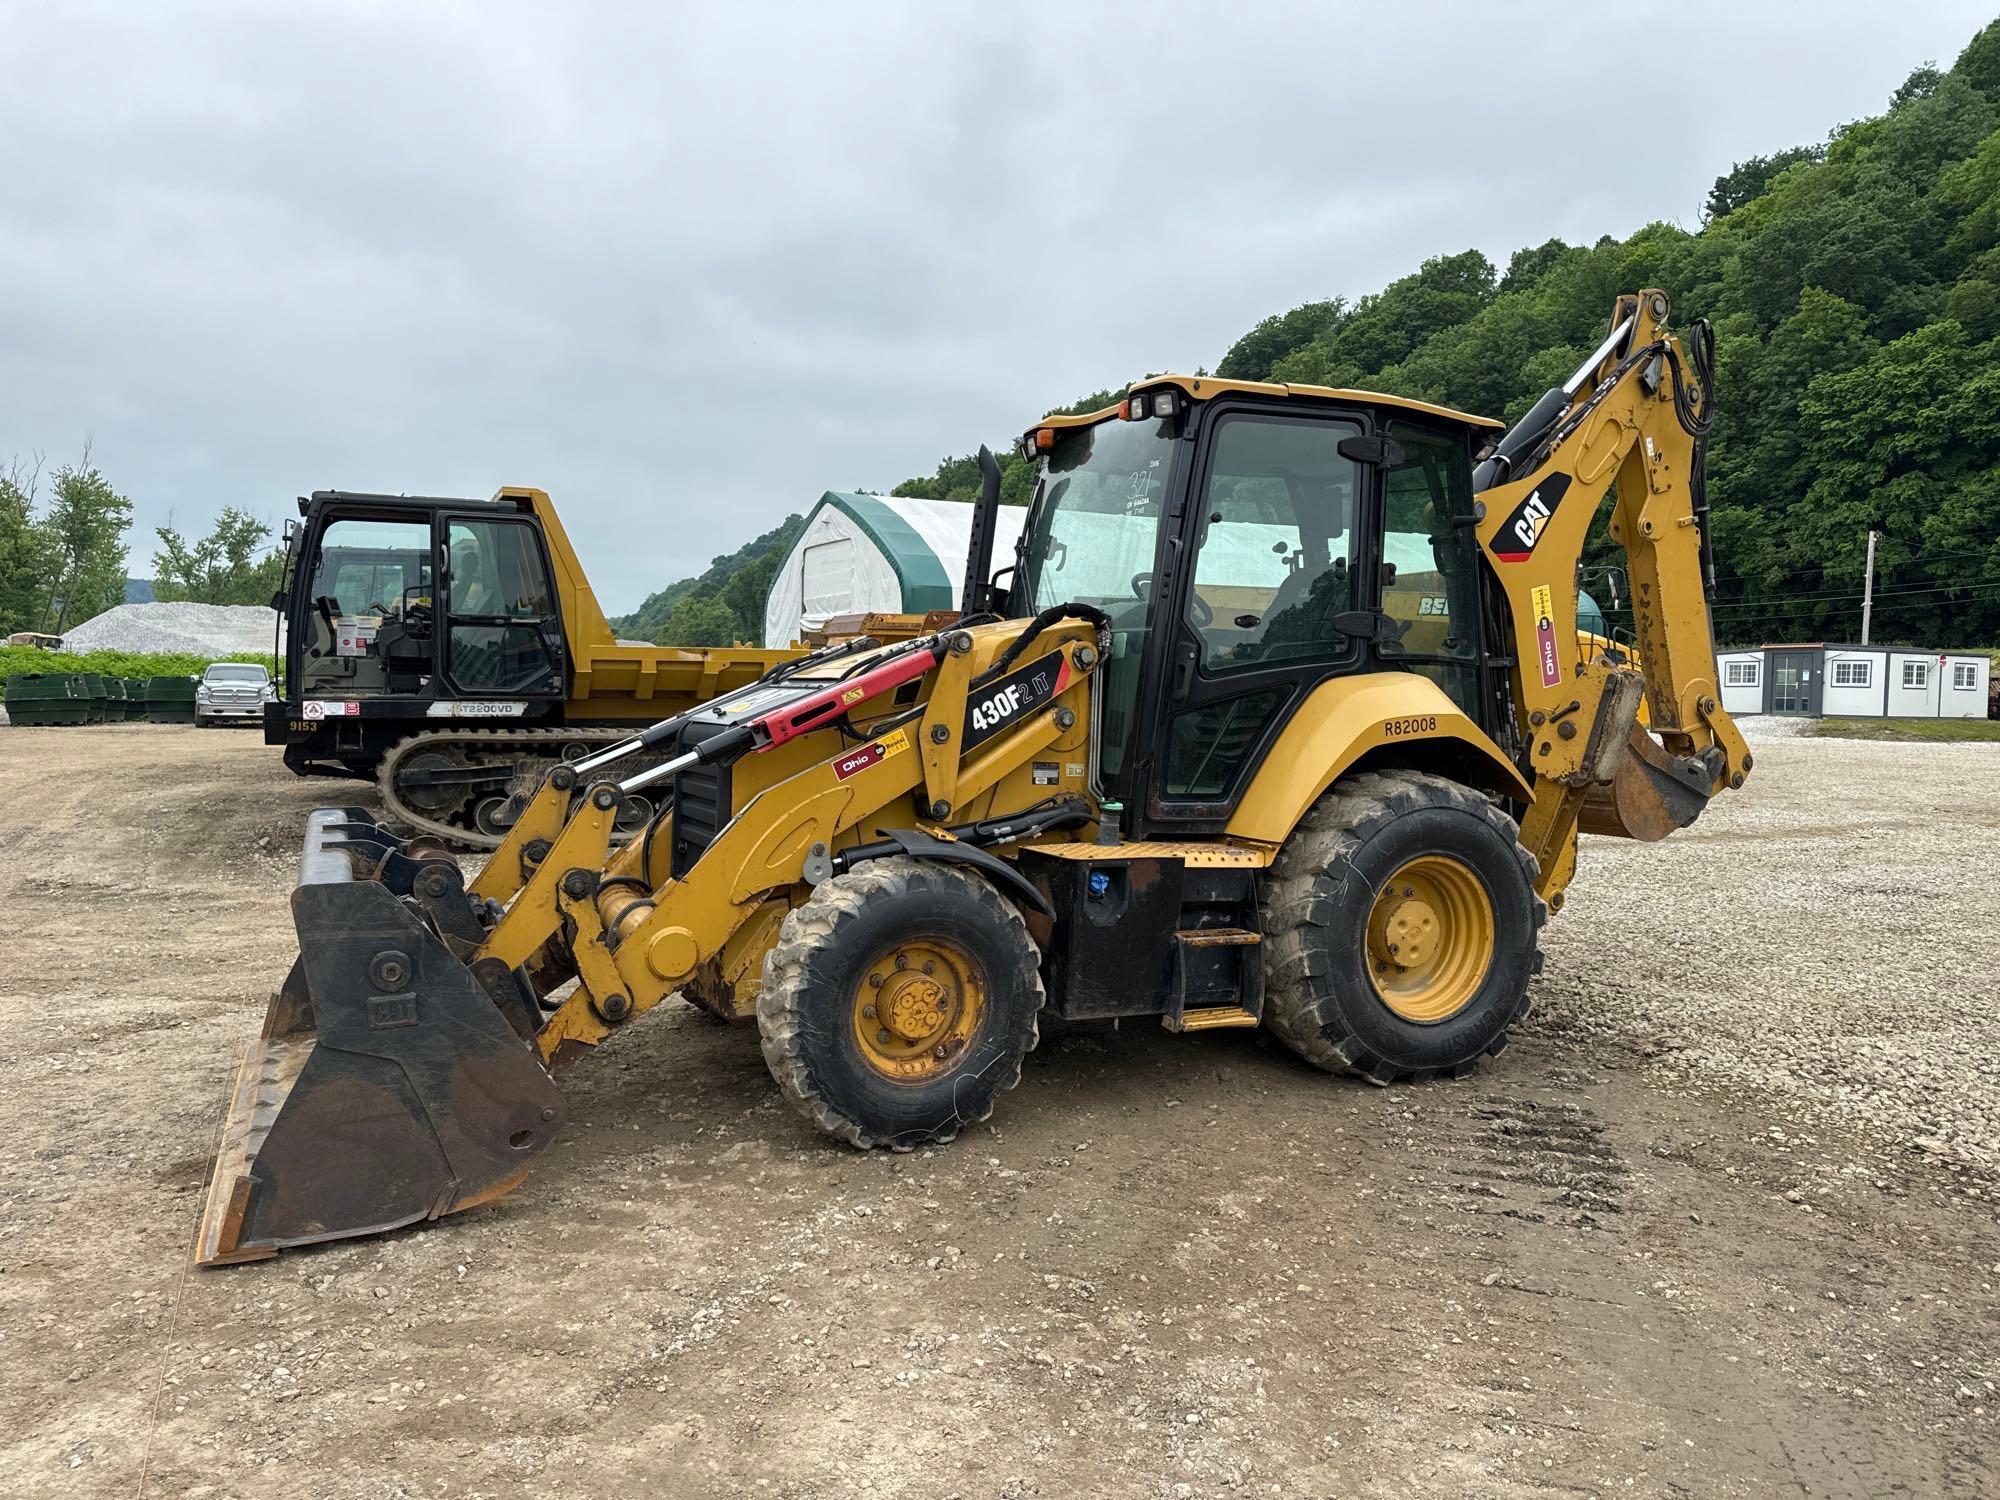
<point x="1142" y="583"/>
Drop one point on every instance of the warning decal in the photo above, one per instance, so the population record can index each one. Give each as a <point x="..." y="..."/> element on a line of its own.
<point x="1545" y="635"/>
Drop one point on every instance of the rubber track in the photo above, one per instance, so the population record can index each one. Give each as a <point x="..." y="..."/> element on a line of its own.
<point x="782" y="1021"/>
<point x="1294" y="1008"/>
<point x="478" y="744"/>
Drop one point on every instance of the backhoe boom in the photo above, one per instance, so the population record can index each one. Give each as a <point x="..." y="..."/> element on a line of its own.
<point x="1634" y="419"/>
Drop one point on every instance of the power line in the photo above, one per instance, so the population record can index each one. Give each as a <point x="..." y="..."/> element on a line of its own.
<point x="1935" y="588"/>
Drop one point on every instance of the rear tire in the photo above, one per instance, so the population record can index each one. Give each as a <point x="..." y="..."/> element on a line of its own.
<point x="898" y="1003"/>
<point x="1405" y="978"/>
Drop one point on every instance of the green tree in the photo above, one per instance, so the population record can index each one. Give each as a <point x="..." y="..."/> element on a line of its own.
<point x="231" y="565"/>
<point x="703" y="621"/>
<point x="1252" y="356"/>
<point x="28" y="555"/>
<point x="88" y="520"/>
<point x="1752" y="179"/>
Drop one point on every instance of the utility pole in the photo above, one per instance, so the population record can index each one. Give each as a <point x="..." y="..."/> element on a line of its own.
<point x="1868" y="590"/>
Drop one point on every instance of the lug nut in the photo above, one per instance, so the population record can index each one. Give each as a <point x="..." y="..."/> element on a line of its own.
<point x="868" y="1013"/>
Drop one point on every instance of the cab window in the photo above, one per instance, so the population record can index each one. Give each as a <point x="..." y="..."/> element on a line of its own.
<point x="1429" y="588"/>
<point x="373" y="567"/>
<point x="501" y="609"/>
<point x="497" y="573"/>
<point x="1276" y="558"/>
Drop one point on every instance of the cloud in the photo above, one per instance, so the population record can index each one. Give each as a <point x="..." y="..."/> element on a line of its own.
<point x="686" y="267"/>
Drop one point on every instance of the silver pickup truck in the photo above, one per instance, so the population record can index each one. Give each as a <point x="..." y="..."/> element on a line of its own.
<point x="232" y="690"/>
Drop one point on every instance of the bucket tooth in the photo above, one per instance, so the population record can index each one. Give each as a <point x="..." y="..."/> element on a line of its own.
<point x="386" y="1088"/>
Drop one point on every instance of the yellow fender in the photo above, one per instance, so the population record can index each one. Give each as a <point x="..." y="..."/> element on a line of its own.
<point x="1347" y="718"/>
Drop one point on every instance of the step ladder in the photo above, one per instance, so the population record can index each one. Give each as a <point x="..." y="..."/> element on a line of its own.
<point x="1202" y="977"/>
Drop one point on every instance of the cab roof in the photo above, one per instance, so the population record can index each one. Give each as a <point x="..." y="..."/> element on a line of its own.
<point x="1207" y="387"/>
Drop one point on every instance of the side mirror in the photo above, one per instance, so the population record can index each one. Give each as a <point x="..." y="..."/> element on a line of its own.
<point x="278" y="602"/>
<point x="1377" y="449"/>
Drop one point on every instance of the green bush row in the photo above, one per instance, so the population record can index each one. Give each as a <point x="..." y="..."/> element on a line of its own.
<point x="17" y="661"/>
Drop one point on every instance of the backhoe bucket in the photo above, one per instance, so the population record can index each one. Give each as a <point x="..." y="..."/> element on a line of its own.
<point x="387" y="1087"/>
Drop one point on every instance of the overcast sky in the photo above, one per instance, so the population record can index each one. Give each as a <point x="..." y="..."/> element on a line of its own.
<point x="687" y="267"/>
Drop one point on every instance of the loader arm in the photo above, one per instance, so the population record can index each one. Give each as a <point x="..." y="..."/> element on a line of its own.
<point x="1633" y="418"/>
<point x="403" y="1069"/>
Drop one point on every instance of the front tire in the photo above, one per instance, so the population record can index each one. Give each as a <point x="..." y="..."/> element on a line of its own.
<point x="898" y="1003"/>
<point x="1400" y="924"/>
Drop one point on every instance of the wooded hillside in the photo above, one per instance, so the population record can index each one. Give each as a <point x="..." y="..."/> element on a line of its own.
<point x="1855" y="291"/>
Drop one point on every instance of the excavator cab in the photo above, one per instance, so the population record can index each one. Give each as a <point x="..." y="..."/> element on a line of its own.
<point x="1283" y="719"/>
<point x="404" y="608"/>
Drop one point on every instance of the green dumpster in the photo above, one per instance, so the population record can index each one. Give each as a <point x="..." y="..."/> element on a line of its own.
<point x="93" y="687"/>
<point x="135" y="697"/>
<point x="170" y="700"/>
<point x="44" y="698"/>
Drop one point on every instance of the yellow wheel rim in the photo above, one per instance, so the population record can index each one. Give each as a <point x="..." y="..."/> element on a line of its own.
<point x="917" y="1006"/>
<point x="1430" y="938"/>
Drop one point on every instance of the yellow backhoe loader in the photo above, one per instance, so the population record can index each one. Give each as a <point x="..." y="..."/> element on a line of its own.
<point x="1281" y="719"/>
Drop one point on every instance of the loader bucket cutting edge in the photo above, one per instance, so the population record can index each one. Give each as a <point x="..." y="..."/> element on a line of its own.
<point x="386" y="1087"/>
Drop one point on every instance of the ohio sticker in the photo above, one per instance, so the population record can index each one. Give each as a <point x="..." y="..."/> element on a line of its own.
<point x="1545" y="635"/>
<point x="856" y="761"/>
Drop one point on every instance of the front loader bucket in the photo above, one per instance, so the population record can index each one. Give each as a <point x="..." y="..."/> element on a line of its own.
<point x="387" y="1087"/>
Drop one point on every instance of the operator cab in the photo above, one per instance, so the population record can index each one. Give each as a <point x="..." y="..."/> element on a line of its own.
<point x="393" y="593"/>
<point x="1250" y="541"/>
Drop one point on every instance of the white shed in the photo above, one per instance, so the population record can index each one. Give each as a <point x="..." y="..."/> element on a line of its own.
<point x="1742" y="674"/>
<point x="886" y="553"/>
<point x="1820" y="678"/>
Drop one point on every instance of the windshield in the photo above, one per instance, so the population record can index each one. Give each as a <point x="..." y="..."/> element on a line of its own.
<point x="1090" y="540"/>
<point x="1097" y="515"/>
<point x="373" y="567"/>
<point x="236" y="674"/>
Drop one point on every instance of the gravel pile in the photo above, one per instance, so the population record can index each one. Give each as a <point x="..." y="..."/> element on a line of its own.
<point x="201" y="629"/>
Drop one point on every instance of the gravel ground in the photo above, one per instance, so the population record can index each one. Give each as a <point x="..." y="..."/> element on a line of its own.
<point x="1721" y="1222"/>
<point x="199" y="629"/>
<point x="1845" y="936"/>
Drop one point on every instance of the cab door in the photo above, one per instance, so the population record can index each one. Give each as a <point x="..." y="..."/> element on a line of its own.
<point x="502" y="620"/>
<point x="1272" y="533"/>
